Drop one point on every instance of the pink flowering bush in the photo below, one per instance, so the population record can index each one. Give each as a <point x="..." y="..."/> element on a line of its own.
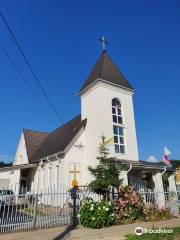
<point x="129" y="205"/>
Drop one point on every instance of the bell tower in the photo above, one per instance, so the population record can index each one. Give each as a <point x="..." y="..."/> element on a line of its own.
<point x="107" y="104"/>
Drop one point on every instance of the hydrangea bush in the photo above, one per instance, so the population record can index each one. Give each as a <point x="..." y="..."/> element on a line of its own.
<point x="129" y="205"/>
<point x="96" y="214"/>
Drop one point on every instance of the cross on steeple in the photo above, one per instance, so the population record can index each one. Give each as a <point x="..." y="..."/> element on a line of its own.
<point x="104" y="42"/>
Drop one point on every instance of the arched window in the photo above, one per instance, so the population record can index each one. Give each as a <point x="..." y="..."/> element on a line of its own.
<point x="116" y="111"/>
<point x="118" y="129"/>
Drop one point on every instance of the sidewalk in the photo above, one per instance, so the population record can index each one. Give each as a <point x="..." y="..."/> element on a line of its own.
<point x="42" y="234"/>
<point x="119" y="231"/>
<point x="111" y="233"/>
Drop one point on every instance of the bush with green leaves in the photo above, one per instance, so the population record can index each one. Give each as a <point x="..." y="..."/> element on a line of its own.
<point x="96" y="214"/>
<point x="129" y="205"/>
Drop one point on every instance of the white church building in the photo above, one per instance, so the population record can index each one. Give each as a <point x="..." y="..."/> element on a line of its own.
<point x="45" y="159"/>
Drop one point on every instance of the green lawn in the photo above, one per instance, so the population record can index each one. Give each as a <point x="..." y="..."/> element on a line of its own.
<point x="173" y="236"/>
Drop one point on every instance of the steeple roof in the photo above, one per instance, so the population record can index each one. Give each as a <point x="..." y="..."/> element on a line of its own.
<point x="106" y="70"/>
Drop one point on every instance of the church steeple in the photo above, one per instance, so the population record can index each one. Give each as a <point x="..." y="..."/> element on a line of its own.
<point x="106" y="71"/>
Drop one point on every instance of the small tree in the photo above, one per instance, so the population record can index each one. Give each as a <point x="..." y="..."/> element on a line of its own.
<point x="106" y="173"/>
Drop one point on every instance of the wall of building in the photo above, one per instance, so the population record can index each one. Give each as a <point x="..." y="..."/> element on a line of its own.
<point x="4" y="178"/>
<point x="15" y="180"/>
<point x="57" y="173"/>
<point x="96" y="107"/>
<point x="75" y="156"/>
<point x="21" y="153"/>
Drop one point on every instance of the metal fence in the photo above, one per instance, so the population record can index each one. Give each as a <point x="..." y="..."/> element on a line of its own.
<point x="32" y="211"/>
<point x="169" y="200"/>
<point x="52" y="207"/>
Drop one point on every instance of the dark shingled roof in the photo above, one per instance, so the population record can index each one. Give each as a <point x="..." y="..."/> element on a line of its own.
<point x="106" y="70"/>
<point x="33" y="141"/>
<point x="40" y="145"/>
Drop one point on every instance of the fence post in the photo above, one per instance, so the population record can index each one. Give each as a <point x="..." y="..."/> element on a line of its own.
<point x="74" y="197"/>
<point x="35" y="202"/>
<point x="113" y="195"/>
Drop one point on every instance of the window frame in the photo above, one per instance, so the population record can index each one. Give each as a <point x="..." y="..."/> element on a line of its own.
<point x="117" y="111"/>
<point x="118" y="137"/>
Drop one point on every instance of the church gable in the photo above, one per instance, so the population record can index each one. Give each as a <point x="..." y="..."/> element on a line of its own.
<point x="35" y="145"/>
<point x="21" y="153"/>
<point x="106" y="70"/>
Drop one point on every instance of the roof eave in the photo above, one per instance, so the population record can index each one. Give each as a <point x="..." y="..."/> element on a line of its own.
<point x="59" y="154"/>
<point x="102" y="80"/>
<point x="22" y="166"/>
<point x="139" y="165"/>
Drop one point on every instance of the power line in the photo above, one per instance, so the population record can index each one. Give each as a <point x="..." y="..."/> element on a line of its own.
<point x="30" y="67"/>
<point x="25" y="81"/>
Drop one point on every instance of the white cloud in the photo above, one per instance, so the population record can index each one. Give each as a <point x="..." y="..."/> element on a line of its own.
<point x="152" y="159"/>
<point x="5" y="158"/>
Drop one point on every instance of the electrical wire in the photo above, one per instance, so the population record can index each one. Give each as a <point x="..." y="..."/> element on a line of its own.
<point x="25" y="81"/>
<point x="30" y="67"/>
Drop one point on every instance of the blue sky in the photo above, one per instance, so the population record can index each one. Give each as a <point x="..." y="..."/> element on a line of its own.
<point x="60" y="39"/>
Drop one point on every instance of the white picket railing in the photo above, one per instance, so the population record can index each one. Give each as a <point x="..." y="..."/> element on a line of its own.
<point x="169" y="200"/>
<point x="53" y="207"/>
<point x="19" y="212"/>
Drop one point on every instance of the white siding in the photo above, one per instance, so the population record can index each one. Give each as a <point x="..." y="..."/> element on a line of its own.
<point x="21" y="153"/>
<point x="96" y="107"/>
<point x="4" y="179"/>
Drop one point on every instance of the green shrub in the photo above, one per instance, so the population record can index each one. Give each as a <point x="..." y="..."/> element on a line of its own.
<point x="106" y="173"/>
<point x="96" y="214"/>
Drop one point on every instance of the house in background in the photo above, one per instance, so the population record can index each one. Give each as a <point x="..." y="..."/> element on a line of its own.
<point x="62" y="157"/>
<point x="4" y="180"/>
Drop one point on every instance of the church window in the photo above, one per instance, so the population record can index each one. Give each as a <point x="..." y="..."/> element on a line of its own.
<point x="116" y="111"/>
<point x="119" y="139"/>
<point x="118" y="129"/>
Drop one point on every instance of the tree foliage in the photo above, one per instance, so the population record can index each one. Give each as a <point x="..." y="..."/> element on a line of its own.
<point x="106" y="173"/>
<point x="175" y="163"/>
<point x="3" y="164"/>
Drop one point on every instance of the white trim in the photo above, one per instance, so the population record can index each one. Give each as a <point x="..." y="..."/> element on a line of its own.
<point x="130" y="168"/>
<point x="23" y="166"/>
<point x="165" y="169"/>
<point x="107" y="82"/>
